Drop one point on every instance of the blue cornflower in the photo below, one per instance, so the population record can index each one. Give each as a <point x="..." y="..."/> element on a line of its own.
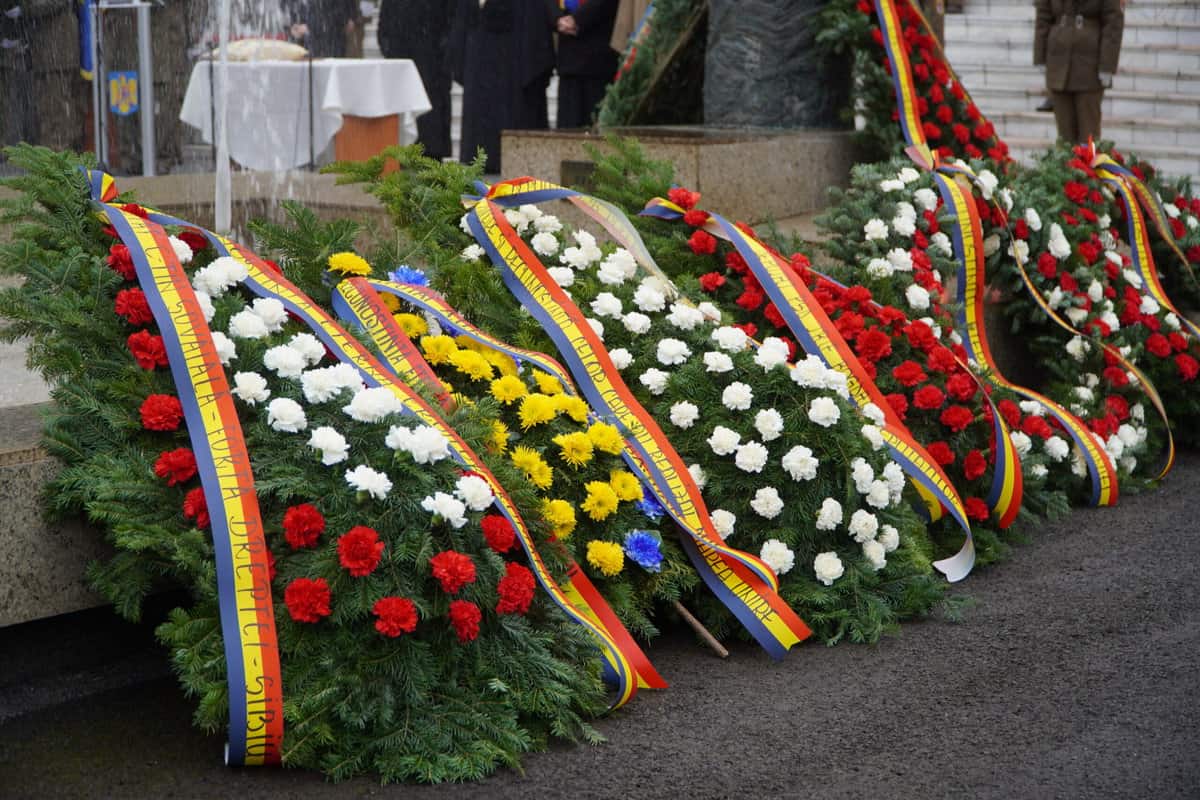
<point x="644" y="549"/>
<point x="406" y="274"/>
<point x="650" y="506"/>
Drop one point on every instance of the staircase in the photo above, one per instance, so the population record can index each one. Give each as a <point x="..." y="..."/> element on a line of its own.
<point x="1152" y="109"/>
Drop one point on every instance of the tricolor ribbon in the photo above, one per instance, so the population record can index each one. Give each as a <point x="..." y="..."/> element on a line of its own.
<point x="817" y="335"/>
<point x="239" y="546"/>
<point x="357" y="302"/>
<point x="746" y="585"/>
<point x="636" y="40"/>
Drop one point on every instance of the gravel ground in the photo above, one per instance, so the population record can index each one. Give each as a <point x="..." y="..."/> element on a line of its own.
<point x="1070" y="677"/>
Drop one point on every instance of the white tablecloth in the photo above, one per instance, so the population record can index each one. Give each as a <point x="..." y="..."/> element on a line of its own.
<point x="268" y="104"/>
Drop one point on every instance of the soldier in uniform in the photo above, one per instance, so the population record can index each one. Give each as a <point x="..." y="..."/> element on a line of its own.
<point x="1077" y="43"/>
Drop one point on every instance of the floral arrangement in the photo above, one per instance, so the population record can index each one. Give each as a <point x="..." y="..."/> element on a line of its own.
<point x="787" y="468"/>
<point x="951" y="122"/>
<point x="409" y="627"/>
<point x="1182" y="209"/>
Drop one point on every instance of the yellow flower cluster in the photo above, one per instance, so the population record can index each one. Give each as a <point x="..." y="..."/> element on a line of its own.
<point x="536" y="409"/>
<point x="412" y="325"/>
<point x="498" y="441"/>
<point x="348" y="264"/>
<point x="391" y="301"/>
<point x="573" y="407"/>
<point x="508" y="389"/>
<point x="625" y="485"/>
<point x="535" y="468"/>
<point x="606" y="438"/>
<point x="547" y="383"/>
<point x="471" y="364"/>
<point x="438" y="349"/>
<point x="608" y="557"/>
<point x="561" y="516"/>
<point x="574" y="448"/>
<point x="601" y="501"/>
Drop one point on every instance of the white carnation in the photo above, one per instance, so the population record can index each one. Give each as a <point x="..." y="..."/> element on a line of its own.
<point x="655" y="380"/>
<point x="875" y="553"/>
<point x="333" y="446"/>
<point x="879" y="268"/>
<point x="183" y="251"/>
<point x="771" y="353"/>
<point x="425" y="444"/>
<point x="563" y="276"/>
<point x="475" y="492"/>
<point x="894" y="475"/>
<point x="891" y="185"/>
<point x="862" y="475"/>
<point x="649" y="298"/>
<point x="991" y="244"/>
<point x="873" y="435"/>
<point x="1078" y="347"/>
<point x="684" y="414"/>
<point x="206" y="306"/>
<point x="875" y="229"/>
<point x="320" y="385"/>
<point x="286" y="415"/>
<point x="827" y="568"/>
<point x="987" y="183"/>
<point x="607" y="304"/>
<point x="1033" y="220"/>
<point x="447" y="507"/>
<point x="284" y="361"/>
<point x="723" y="441"/>
<point x="1149" y="305"/>
<point x="751" y="457"/>
<point x="245" y="324"/>
<point x="824" y="411"/>
<point x="1021" y="442"/>
<point x="730" y="339"/>
<point x="471" y="252"/>
<point x="272" y="312"/>
<point x="909" y="175"/>
<point x="544" y="244"/>
<point x="941" y="243"/>
<point x="777" y="555"/>
<point x="251" y="388"/>
<point x="685" y="317"/>
<point x="672" y="352"/>
<point x="597" y="327"/>
<point x="636" y="322"/>
<point x="769" y="424"/>
<point x="809" y="372"/>
<point x="547" y="223"/>
<point x="621" y="357"/>
<point x="737" y="396"/>
<point x="698" y="475"/>
<point x="710" y="311"/>
<point x="373" y="405"/>
<point x="863" y="525"/>
<point x="905" y="226"/>
<point x="830" y="515"/>
<point x="900" y="259"/>
<point x="723" y="522"/>
<point x="800" y="463"/>
<point x="308" y="346"/>
<point x="1058" y="245"/>
<point x="226" y="349"/>
<point x="715" y="361"/>
<point x="889" y="537"/>
<point x="364" y="479"/>
<point x="879" y="495"/>
<point x="917" y="296"/>
<point x="873" y="413"/>
<point x="927" y="199"/>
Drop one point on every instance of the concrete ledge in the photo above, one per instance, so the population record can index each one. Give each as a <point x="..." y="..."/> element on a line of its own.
<point x="42" y="561"/>
<point x="744" y="174"/>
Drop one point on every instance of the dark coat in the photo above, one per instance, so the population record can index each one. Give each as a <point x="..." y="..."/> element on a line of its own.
<point x="420" y="30"/>
<point x="326" y="20"/>
<point x="1077" y="40"/>
<point x="588" y="54"/>
<point x="503" y="57"/>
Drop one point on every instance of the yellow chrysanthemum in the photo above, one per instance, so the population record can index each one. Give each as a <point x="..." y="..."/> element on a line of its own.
<point x="536" y="409"/>
<point x="601" y="500"/>
<point x="391" y="301"/>
<point x="608" y="557"/>
<point x="606" y="438"/>
<point x="547" y="383"/>
<point x="541" y="476"/>
<point x="560" y="515"/>
<point x="349" y="264"/>
<point x="498" y="441"/>
<point x="438" y="349"/>
<point x="626" y="486"/>
<point x="471" y="364"/>
<point x="412" y="325"/>
<point x="467" y="343"/>
<point x="575" y="448"/>
<point x="573" y="407"/>
<point x="501" y="361"/>
<point x="508" y="389"/>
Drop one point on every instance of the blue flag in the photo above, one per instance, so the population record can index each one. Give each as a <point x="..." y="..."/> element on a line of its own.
<point x="83" y="10"/>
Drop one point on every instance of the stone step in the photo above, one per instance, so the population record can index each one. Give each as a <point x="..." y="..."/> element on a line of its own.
<point x="965" y="28"/>
<point x="981" y="78"/>
<point x="1126" y="132"/>
<point x="1117" y="104"/>
<point x="1161" y="12"/>
<point x="1182" y="60"/>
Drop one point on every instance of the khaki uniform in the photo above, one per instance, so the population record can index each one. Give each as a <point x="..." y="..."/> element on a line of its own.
<point x="1077" y="40"/>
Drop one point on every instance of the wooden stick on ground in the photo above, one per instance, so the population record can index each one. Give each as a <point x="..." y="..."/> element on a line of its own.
<point x="701" y="631"/>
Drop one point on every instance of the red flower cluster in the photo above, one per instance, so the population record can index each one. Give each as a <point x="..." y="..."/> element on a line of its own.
<point x="359" y="551"/>
<point x="452" y="570"/>
<point x="683" y="198"/>
<point x="194" y="240"/>
<point x="515" y="589"/>
<point x="147" y="349"/>
<point x="121" y="262"/>
<point x="395" y="616"/>
<point x="176" y="466"/>
<point x="302" y="526"/>
<point x="498" y="532"/>
<point x="195" y="507"/>
<point x="465" y="617"/>
<point x="131" y="304"/>
<point x="307" y="600"/>
<point x="161" y="412"/>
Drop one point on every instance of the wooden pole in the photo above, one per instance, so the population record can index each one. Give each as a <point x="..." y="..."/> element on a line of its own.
<point x="701" y="631"/>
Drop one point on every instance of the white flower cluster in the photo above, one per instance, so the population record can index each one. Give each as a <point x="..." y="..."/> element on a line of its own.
<point x="425" y="444"/>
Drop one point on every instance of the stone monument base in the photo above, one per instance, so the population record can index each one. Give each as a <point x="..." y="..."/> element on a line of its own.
<point x="751" y="175"/>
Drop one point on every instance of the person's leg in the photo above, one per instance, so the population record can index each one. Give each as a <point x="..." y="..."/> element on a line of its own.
<point x="570" y="102"/>
<point x="1087" y="114"/>
<point x="1064" y="115"/>
<point x="593" y="94"/>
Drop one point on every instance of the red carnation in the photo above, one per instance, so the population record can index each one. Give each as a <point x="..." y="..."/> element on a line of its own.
<point x="735" y="262"/>
<point x="176" y="466"/>
<point x="748" y="328"/>
<point x="195" y="507"/>
<point x="944" y="114"/>
<point x="1178" y="341"/>
<point x="873" y="344"/>
<point x="121" y="262"/>
<point x="849" y="325"/>
<point x="889" y="316"/>
<point x="696" y="218"/>
<point x="1089" y="251"/>
<point x="498" y="532"/>
<point x="1068" y="283"/>
<point x="957" y="417"/>
<point x="1187" y="366"/>
<point x="909" y="373"/>
<point x="751" y="298"/>
<point x="1076" y="192"/>
<point x="465" y="617"/>
<point x="961" y="387"/>
<point x="1047" y="265"/>
<point x="928" y="397"/>
<point x="307" y="600"/>
<point x="147" y="349"/>
<point x="515" y="590"/>
<point x="1177" y="228"/>
<point x="683" y="198"/>
<point x="131" y="304"/>
<point x="1116" y="376"/>
<point x="961" y="132"/>
<point x="453" y="570"/>
<point x="194" y="240"/>
<point x="1117" y="406"/>
<point x="302" y="526"/>
<point x="161" y="412"/>
<point x="702" y="243"/>
<point x="1159" y="345"/>
<point x="977" y="509"/>
<point x="941" y="359"/>
<point x="771" y="312"/>
<point x="1037" y="426"/>
<point x="974" y="465"/>
<point x="359" y="550"/>
<point x="1011" y="413"/>
<point x="920" y="335"/>
<point x="941" y="453"/>
<point x="136" y="210"/>
<point x="711" y="281"/>
<point x="396" y="615"/>
<point x="899" y="404"/>
<point x="856" y="295"/>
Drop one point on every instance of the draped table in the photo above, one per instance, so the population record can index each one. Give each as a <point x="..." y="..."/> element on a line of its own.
<point x="362" y="102"/>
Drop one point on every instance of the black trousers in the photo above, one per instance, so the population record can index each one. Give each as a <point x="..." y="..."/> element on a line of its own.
<point x="578" y="97"/>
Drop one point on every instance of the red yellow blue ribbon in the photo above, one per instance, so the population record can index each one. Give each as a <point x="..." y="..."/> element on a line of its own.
<point x="747" y="586"/>
<point x="239" y="545"/>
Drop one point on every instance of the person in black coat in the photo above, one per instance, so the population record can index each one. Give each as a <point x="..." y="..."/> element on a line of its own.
<point x="321" y="25"/>
<point x="503" y="57"/>
<point x="420" y="30"/>
<point x="586" y="61"/>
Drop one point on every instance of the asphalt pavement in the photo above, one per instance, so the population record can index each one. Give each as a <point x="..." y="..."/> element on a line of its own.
<point x="1071" y="676"/>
